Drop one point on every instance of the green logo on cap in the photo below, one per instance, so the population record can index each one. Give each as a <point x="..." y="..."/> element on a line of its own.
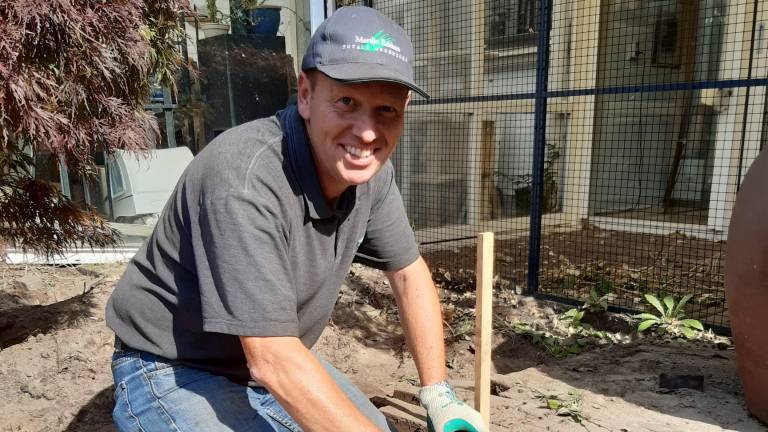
<point x="377" y="42"/>
<point x="380" y="42"/>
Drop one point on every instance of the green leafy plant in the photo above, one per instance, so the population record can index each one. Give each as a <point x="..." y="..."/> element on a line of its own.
<point x="594" y="303"/>
<point x="460" y="323"/>
<point x="603" y="286"/>
<point x="671" y="318"/>
<point x="559" y="347"/>
<point x="597" y="302"/>
<point x="240" y="16"/>
<point x="569" y="406"/>
<point x="461" y="327"/>
<point x="213" y="11"/>
<point x="573" y="317"/>
<point x="550" y="199"/>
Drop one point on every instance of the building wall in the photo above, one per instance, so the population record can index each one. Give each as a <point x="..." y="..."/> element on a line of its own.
<point x="622" y="146"/>
<point x="636" y="133"/>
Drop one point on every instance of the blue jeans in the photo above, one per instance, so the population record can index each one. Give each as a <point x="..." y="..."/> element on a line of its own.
<point x="156" y="394"/>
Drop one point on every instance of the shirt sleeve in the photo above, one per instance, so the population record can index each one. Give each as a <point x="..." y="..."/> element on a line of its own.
<point x="245" y="284"/>
<point x="389" y="242"/>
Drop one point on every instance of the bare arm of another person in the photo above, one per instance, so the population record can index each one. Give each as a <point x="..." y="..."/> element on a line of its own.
<point x="422" y="320"/>
<point x="285" y="367"/>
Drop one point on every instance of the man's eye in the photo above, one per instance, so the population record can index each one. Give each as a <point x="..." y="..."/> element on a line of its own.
<point x="346" y="100"/>
<point x="387" y="109"/>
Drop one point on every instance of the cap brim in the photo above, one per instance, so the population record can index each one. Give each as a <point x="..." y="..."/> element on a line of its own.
<point x="364" y="72"/>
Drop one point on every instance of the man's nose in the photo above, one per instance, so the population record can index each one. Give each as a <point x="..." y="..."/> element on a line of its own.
<point x="366" y="129"/>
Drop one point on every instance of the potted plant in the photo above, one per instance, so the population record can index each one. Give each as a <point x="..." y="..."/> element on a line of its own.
<point x="255" y="17"/>
<point x="213" y="25"/>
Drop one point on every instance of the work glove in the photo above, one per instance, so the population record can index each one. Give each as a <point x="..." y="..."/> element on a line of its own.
<point x="446" y="413"/>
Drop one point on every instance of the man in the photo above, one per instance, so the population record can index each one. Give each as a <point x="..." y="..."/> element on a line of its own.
<point x="216" y="314"/>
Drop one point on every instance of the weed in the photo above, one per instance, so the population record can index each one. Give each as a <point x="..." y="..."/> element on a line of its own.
<point x="559" y="347"/>
<point x="598" y="300"/>
<point x="602" y="286"/>
<point x="460" y="323"/>
<point x="569" y="406"/>
<point x="671" y="318"/>
<point x="594" y="303"/>
<point x="573" y="317"/>
<point x="410" y="379"/>
<point x="462" y="328"/>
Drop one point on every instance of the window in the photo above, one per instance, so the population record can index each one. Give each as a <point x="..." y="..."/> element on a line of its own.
<point x="666" y="46"/>
<point x="511" y="23"/>
<point x="115" y="177"/>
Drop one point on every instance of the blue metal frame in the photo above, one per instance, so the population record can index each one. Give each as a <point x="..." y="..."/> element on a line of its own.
<point x="643" y="88"/>
<point x="539" y="144"/>
<point x="742" y="142"/>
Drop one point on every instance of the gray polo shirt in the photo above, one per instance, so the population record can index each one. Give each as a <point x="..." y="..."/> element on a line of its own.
<point x="247" y="246"/>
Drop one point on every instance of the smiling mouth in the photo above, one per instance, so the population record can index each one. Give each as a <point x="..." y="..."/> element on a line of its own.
<point x="358" y="152"/>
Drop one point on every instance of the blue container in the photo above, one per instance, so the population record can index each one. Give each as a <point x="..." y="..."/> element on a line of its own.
<point x="263" y="21"/>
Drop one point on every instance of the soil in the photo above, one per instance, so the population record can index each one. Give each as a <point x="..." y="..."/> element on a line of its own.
<point x="55" y="349"/>
<point x="625" y="264"/>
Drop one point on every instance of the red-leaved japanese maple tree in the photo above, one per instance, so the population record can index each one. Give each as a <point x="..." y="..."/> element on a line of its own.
<point x="74" y="77"/>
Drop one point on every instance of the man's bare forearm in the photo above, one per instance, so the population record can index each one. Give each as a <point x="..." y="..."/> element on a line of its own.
<point x="301" y="385"/>
<point x="421" y="318"/>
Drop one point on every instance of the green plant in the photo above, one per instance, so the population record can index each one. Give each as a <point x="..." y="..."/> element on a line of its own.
<point x="603" y="286"/>
<point x="571" y="406"/>
<point x="671" y="318"/>
<point x="212" y="10"/>
<point x="461" y="324"/>
<point x="410" y="379"/>
<point x="573" y="317"/>
<point x="550" y="201"/>
<point x="237" y="12"/>
<point x="240" y="17"/>
<point x="250" y="4"/>
<point x="559" y="347"/>
<point x="597" y="302"/>
<point x="524" y="182"/>
<point x="594" y="303"/>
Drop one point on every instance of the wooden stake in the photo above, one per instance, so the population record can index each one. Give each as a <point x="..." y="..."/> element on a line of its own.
<point x="483" y="326"/>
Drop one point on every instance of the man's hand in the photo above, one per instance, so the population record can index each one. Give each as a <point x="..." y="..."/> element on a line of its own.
<point x="446" y="413"/>
<point x="298" y="381"/>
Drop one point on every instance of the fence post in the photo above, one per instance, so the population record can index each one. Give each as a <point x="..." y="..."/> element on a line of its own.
<point x="484" y="325"/>
<point x="539" y="144"/>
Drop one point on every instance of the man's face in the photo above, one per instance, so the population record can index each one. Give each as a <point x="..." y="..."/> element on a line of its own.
<point x="353" y="128"/>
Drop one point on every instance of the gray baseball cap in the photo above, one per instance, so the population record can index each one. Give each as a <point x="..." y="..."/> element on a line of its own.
<point x="358" y="44"/>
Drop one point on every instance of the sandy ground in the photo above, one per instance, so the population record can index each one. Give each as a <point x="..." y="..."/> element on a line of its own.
<point x="54" y="362"/>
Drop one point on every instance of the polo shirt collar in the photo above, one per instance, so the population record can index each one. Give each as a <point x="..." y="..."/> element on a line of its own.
<point x="303" y="166"/>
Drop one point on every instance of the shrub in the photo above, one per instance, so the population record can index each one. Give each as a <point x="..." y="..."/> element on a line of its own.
<point x="74" y="77"/>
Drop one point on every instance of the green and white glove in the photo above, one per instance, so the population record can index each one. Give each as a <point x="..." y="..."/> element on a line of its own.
<point x="446" y="413"/>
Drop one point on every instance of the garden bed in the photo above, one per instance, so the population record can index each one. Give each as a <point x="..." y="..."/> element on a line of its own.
<point x="54" y="370"/>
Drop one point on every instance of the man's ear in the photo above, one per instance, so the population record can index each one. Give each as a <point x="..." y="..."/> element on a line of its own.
<point x="304" y="95"/>
<point x="408" y="100"/>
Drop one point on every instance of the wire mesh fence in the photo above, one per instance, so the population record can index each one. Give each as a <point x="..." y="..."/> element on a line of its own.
<point x="603" y="141"/>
